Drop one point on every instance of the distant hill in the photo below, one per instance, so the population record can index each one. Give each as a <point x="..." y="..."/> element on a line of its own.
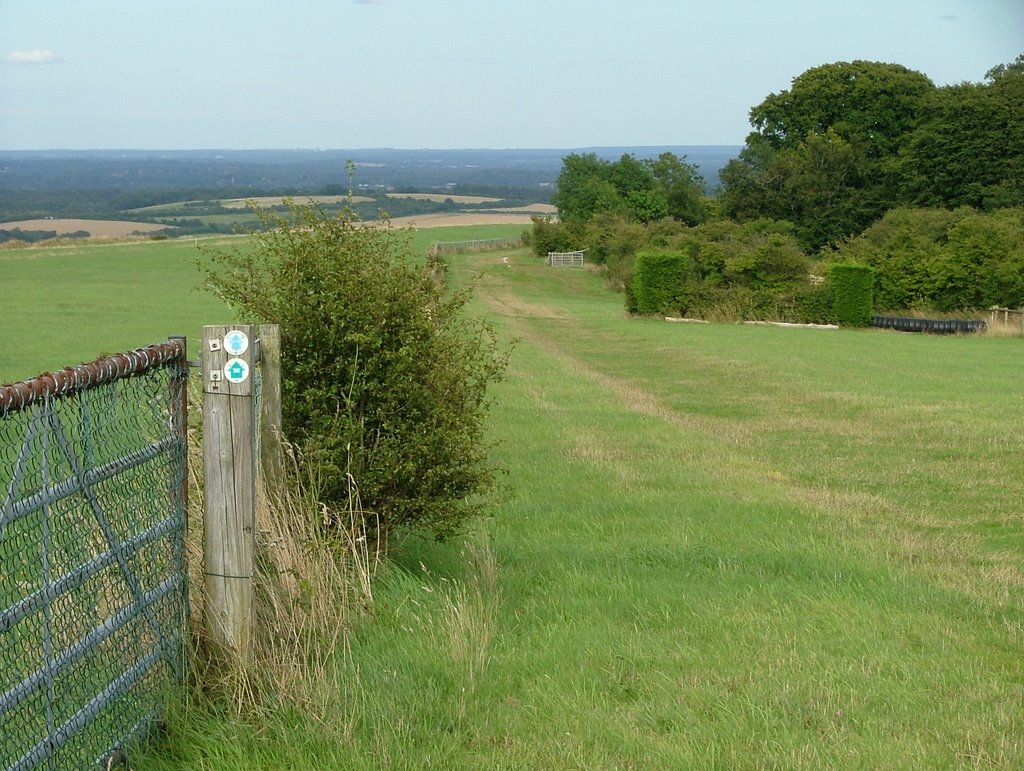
<point x="307" y="171"/>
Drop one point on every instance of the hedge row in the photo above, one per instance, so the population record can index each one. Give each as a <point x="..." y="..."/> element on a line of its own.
<point x="852" y="289"/>
<point x="659" y="282"/>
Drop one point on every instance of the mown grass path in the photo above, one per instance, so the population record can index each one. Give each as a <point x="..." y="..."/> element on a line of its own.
<point x="721" y="547"/>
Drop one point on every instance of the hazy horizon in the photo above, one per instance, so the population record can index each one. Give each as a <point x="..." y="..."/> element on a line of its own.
<point x="451" y="73"/>
<point x="284" y="149"/>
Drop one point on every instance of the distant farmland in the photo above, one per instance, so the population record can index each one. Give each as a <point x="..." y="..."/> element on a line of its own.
<point x="95" y="228"/>
<point x="442" y="197"/>
<point x="278" y="200"/>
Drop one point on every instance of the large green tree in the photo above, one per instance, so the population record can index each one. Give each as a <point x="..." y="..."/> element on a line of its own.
<point x="822" y="152"/>
<point x="643" y="190"/>
<point x="584" y="187"/>
<point x="968" y="148"/>
<point x="871" y="105"/>
<point x="682" y="187"/>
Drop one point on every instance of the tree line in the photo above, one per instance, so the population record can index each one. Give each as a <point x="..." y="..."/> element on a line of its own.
<point x="856" y="161"/>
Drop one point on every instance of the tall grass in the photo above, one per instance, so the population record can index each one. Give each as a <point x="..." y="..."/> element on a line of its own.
<point x="309" y="588"/>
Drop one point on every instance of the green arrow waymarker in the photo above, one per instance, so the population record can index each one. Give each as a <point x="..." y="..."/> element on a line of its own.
<point x="236" y="371"/>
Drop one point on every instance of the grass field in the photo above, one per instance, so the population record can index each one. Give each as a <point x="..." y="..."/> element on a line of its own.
<point x="70" y="303"/>
<point x="720" y="547"/>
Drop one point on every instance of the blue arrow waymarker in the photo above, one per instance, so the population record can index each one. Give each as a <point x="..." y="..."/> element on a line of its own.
<point x="236" y="342"/>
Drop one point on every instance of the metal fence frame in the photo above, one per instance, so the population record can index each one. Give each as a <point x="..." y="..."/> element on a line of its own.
<point x="152" y="616"/>
<point x="567" y="259"/>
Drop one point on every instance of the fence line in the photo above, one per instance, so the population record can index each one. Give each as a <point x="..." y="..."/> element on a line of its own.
<point x="1005" y="315"/>
<point x="475" y="245"/>
<point x="93" y="590"/>
<point x="567" y="259"/>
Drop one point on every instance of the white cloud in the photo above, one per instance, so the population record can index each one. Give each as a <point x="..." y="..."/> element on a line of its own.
<point x="34" y="56"/>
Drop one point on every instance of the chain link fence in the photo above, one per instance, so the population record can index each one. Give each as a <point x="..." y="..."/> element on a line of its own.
<point x="93" y="592"/>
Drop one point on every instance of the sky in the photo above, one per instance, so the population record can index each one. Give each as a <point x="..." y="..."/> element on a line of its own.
<point x="353" y="74"/>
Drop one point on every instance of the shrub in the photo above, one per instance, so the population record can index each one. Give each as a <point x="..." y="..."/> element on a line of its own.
<point x="852" y="290"/>
<point x="659" y="282"/>
<point x="726" y="304"/>
<point x="943" y="260"/>
<point x="813" y="305"/>
<point x="383" y="378"/>
<point x="551" y="236"/>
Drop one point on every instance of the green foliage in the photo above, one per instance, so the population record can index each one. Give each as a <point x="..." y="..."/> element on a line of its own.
<point x="773" y="261"/>
<point x="549" y="235"/>
<point x="851" y="140"/>
<point x="584" y="187"/>
<point x="813" y="305"/>
<point x="983" y="262"/>
<point x="26" y="236"/>
<point x="729" y="269"/>
<point x="643" y="190"/>
<point x="612" y="241"/>
<point x="682" y="187"/>
<point x="852" y="291"/>
<point x="968" y="148"/>
<point x="869" y="104"/>
<point x="821" y="153"/>
<point x="944" y="260"/>
<point x="384" y="379"/>
<point x="659" y="282"/>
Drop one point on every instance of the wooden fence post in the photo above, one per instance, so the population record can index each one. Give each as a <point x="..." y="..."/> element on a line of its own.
<point x="271" y="447"/>
<point x="229" y="466"/>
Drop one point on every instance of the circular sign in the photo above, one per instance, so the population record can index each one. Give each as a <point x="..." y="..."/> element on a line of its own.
<point x="236" y="371"/>
<point x="236" y="342"/>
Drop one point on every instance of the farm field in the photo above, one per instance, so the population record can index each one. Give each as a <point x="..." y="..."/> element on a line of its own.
<point x="240" y="218"/>
<point x="182" y="207"/>
<point x="95" y="228"/>
<point x="441" y="197"/>
<point x="466" y="218"/>
<point x="720" y="547"/>
<point x="277" y="200"/>
<point x="68" y="303"/>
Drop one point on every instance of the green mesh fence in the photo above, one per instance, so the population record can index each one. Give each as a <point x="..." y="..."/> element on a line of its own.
<point x="92" y="565"/>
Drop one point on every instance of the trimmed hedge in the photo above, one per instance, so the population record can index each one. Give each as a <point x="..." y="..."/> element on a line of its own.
<point x="852" y="288"/>
<point x="659" y="282"/>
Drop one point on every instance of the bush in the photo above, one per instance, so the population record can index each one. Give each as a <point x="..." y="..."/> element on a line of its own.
<point x="552" y="236"/>
<point x="659" y="282"/>
<point x="933" y="259"/>
<point x="813" y="305"/>
<point x="384" y="379"/>
<point x="726" y="304"/>
<point x="852" y="289"/>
